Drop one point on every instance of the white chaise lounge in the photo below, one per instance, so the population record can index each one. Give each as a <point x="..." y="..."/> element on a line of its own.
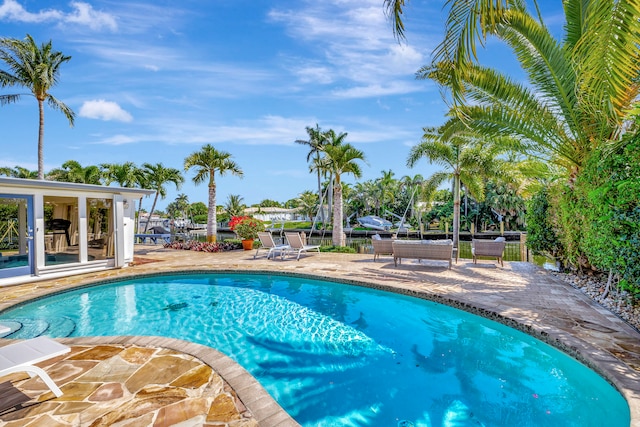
<point x="268" y="244"/>
<point x="22" y="357"/>
<point x="297" y="245"/>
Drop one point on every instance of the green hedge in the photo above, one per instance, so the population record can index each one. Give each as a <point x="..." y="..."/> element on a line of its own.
<point x="598" y="217"/>
<point x="609" y="195"/>
<point x="541" y="234"/>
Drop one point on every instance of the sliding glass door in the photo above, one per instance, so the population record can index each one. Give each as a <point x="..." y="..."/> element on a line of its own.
<point x="16" y="235"/>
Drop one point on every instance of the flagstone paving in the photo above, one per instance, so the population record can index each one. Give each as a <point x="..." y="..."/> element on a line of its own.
<point x="144" y="381"/>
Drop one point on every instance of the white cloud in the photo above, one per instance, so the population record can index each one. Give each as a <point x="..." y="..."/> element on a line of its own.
<point x="11" y="10"/>
<point x="118" y="140"/>
<point x="82" y="13"/>
<point x="352" y="45"/>
<point x="104" y="110"/>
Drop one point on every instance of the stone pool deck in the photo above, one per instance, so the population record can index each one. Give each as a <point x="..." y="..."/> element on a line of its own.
<point x="143" y="381"/>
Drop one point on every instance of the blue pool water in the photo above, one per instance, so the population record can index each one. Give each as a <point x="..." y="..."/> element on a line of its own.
<point x="340" y="355"/>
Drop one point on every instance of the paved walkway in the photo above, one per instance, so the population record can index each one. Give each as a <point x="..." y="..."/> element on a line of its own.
<point x="519" y="295"/>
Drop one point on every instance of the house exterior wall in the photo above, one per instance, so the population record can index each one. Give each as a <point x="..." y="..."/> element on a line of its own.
<point x="117" y="245"/>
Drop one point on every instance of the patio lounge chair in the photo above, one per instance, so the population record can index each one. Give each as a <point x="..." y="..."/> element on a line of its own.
<point x="22" y="357"/>
<point x="381" y="247"/>
<point x="488" y="248"/>
<point x="267" y="243"/>
<point x="296" y="245"/>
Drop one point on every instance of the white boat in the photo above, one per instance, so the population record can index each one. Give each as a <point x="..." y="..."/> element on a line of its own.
<point x="375" y="223"/>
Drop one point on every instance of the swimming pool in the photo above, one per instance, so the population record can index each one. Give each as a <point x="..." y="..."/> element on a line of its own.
<point x="338" y="355"/>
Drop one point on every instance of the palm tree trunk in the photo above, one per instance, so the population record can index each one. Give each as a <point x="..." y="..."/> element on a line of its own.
<point x="336" y="236"/>
<point x="212" y="222"/>
<point x="321" y="198"/>
<point x="456" y="210"/>
<point x="41" y="140"/>
<point x="137" y="226"/>
<point x="151" y="212"/>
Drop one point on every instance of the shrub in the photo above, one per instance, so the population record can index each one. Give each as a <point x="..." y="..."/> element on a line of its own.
<point x="609" y="204"/>
<point x="194" y="245"/>
<point x="541" y="234"/>
<point x="338" y="249"/>
<point x="246" y="227"/>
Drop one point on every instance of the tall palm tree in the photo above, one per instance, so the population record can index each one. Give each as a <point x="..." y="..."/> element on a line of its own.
<point x="387" y="186"/>
<point x="340" y="159"/>
<point x="207" y="162"/>
<point x="580" y="88"/>
<point x="182" y="203"/>
<point x="466" y="157"/>
<point x="37" y="69"/>
<point x="156" y="177"/>
<point x="315" y="143"/>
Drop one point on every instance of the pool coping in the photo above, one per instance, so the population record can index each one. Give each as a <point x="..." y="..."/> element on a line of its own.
<point x="262" y="406"/>
<point x="621" y="375"/>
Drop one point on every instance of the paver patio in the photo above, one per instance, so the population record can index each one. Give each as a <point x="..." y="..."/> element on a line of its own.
<point x="520" y="295"/>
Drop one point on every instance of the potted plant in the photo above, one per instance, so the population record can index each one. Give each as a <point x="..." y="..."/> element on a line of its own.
<point x="247" y="229"/>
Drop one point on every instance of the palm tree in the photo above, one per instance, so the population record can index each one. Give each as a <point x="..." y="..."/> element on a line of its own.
<point x="207" y="161"/>
<point x="340" y="159"/>
<point x="234" y="205"/>
<point x="465" y="155"/>
<point x="387" y="186"/>
<point x="38" y="69"/>
<point x="308" y="204"/>
<point x="580" y="90"/>
<point x="156" y="177"/>
<point x="124" y="174"/>
<point x="73" y="171"/>
<point x="19" y="172"/>
<point x="182" y="203"/>
<point x="316" y="141"/>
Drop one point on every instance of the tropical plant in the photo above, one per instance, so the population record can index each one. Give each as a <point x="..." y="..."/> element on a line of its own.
<point x="246" y="227"/>
<point x="340" y="159"/>
<point x="19" y="172"/>
<point x="234" y="205"/>
<point x="308" y="204"/>
<point x="580" y="91"/>
<point x="602" y="214"/>
<point x="207" y="162"/>
<point x="315" y="143"/>
<point x="182" y="203"/>
<point x="267" y="203"/>
<point x="466" y="155"/>
<point x="36" y="68"/>
<point x="124" y="174"/>
<point x="541" y="235"/>
<point x="73" y="171"/>
<point x="156" y="177"/>
<point x="198" y="208"/>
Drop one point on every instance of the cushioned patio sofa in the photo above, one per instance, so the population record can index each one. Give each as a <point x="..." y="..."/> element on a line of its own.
<point x="422" y="249"/>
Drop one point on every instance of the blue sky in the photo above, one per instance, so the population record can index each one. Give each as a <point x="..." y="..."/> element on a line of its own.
<point x="153" y="81"/>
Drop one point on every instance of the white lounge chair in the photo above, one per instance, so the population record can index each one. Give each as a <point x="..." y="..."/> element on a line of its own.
<point x="267" y="243"/>
<point x="297" y="245"/>
<point x="22" y="357"/>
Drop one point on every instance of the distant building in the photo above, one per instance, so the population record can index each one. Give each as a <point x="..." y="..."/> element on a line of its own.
<point x="53" y="229"/>
<point x="275" y="214"/>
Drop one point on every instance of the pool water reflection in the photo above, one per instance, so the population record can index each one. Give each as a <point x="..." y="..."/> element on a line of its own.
<point x="338" y="355"/>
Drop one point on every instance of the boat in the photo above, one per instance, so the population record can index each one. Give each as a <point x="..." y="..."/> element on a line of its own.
<point x="375" y="223"/>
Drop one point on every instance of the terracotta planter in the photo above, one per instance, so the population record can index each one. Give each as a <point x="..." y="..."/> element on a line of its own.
<point x="247" y="245"/>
